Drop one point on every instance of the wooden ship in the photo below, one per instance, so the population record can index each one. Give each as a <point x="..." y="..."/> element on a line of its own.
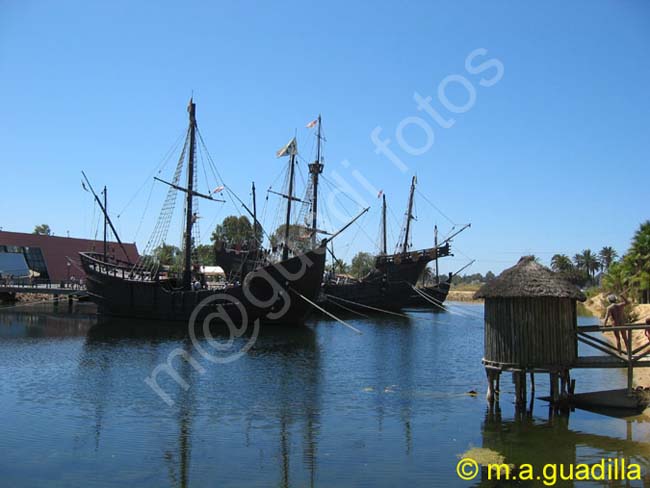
<point x="239" y="260"/>
<point x="273" y="291"/>
<point x="390" y="285"/>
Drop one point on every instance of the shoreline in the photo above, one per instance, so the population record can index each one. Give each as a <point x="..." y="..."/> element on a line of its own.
<point x="463" y="296"/>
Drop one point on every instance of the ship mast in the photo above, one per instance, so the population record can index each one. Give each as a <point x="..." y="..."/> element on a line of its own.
<point x="383" y="226"/>
<point x="292" y="160"/>
<point x="435" y="243"/>
<point x="409" y="216"/>
<point x="257" y="244"/>
<point x="316" y="168"/>
<point x="189" y="218"/>
<point x="105" y="222"/>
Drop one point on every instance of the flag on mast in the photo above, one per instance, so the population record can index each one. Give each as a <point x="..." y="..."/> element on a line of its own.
<point x="381" y="192"/>
<point x="290" y="149"/>
<point x="312" y="123"/>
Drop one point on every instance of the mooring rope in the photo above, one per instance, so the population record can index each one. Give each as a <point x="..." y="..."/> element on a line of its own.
<point x="326" y="312"/>
<point x="440" y="304"/>
<point x="367" y="306"/>
<point x="433" y="301"/>
<point x="351" y="310"/>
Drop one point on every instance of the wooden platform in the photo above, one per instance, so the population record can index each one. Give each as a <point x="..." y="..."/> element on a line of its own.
<point x="608" y="362"/>
<point x="43" y="290"/>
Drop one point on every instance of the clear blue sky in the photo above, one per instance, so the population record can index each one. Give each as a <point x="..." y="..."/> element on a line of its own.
<point x="551" y="158"/>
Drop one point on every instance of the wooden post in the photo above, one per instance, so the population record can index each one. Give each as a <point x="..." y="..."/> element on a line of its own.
<point x="490" y="389"/>
<point x="630" y="367"/>
<point x="554" y="393"/>
<point x="563" y="384"/>
<point x="532" y="382"/>
<point x="519" y="378"/>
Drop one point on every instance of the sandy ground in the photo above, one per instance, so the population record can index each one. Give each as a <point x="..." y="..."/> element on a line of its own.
<point x="462" y="296"/>
<point x="597" y="306"/>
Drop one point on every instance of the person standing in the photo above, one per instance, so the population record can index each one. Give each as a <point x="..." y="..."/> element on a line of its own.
<point x="616" y="312"/>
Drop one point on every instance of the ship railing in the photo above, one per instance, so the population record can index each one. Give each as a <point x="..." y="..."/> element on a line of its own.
<point x="116" y="268"/>
<point x="428" y="253"/>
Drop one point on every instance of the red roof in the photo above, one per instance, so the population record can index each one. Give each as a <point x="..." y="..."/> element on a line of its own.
<point x="58" y="251"/>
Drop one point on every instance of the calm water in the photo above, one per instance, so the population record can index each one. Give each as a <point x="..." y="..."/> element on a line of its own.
<point x="316" y="406"/>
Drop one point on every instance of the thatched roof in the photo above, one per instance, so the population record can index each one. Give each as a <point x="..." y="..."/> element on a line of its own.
<point x="528" y="278"/>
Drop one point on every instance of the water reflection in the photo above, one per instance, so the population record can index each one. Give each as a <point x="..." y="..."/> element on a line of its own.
<point x="311" y="406"/>
<point x="276" y="385"/>
<point x="526" y="439"/>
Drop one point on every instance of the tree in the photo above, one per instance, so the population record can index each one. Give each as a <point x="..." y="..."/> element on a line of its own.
<point x="167" y="255"/>
<point x="42" y="230"/>
<point x="607" y="256"/>
<point x="205" y="255"/>
<point x="489" y="276"/>
<point x="615" y="279"/>
<point x="578" y="277"/>
<point x="427" y="276"/>
<point x="637" y="261"/>
<point x="561" y="263"/>
<point x="362" y="264"/>
<point x="299" y="238"/>
<point x="587" y="261"/>
<point x="339" y="267"/>
<point x="236" y="231"/>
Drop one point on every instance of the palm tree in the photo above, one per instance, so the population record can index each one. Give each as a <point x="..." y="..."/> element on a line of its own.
<point x="427" y="276"/>
<point x="637" y="261"/>
<point x="587" y="261"/>
<point x="607" y="256"/>
<point x="561" y="263"/>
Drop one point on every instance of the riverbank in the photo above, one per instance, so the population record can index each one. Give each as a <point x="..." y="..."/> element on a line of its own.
<point x="597" y="305"/>
<point x="462" y="296"/>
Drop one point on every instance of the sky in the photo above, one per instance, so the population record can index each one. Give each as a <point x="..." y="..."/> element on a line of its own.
<point x="532" y="122"/>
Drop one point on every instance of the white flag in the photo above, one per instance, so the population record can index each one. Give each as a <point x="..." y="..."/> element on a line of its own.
<point x="290" y="149"/>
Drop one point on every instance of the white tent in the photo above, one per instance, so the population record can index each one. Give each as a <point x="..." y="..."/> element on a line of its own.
<point x="212" y="271"/>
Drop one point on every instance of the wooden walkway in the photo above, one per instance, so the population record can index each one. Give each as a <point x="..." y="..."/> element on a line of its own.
<point x="629" y="358"/>
<point x="43" y="289"/>
<point x="608" y="362"/>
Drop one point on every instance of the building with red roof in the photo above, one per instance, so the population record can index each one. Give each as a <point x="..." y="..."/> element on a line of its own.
<point x="56" y="258"/>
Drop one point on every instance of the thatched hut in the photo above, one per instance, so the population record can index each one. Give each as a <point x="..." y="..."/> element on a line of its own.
<point x="530" y="320"/>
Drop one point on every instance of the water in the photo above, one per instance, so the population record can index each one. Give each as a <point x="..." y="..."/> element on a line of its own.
<point x="315" y="406"/>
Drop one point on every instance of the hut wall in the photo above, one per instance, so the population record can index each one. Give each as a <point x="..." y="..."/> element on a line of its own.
<point x="529" y="333"/>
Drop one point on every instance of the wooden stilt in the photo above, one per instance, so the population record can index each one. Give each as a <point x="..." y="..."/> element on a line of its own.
<point x="532" y="382"/>
<point x="555" y="390"/>
<point x="519" y="378"/>
<point x="630" y="367"/>
<point x="490" y="389"/>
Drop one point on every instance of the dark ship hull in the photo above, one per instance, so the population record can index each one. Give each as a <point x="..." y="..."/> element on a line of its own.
<point x="390" y="286"/>
<point x="360" y="296"/>
<point x="437" y="293"/>
<point x="270" y="293"/>
<point x="237" y="262"/>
